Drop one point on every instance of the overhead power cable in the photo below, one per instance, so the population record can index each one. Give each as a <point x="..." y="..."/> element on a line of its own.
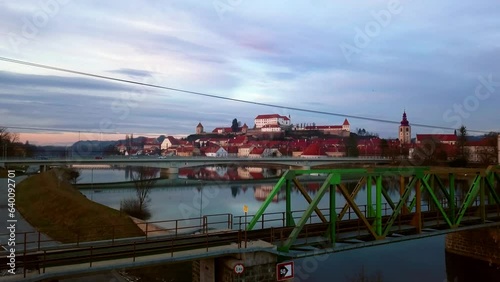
<point x="222" y="97"/>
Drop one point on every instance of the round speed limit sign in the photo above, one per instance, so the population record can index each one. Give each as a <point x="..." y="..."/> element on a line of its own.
<point x="239" y="268"/>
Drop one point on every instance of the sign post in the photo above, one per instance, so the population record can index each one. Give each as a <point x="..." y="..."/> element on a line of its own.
<point x="284" y="271"/>
<point x="245" y="210"/>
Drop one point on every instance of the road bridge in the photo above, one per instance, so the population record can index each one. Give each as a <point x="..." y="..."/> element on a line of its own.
<point x="430" y="203"/>
<point x="175" y="163"/>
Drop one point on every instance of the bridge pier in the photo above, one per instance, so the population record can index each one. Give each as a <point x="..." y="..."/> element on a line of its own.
<point x="482" y="244"/>
<point x="257" y="266"/>
<point x="170" y="173"/>
<point x="43" y="168"/>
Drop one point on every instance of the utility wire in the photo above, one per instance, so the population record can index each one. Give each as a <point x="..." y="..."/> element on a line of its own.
<point x="222" y="97"/>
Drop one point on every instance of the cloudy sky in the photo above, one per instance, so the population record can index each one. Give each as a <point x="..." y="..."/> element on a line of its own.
<point x="439" y="60"/>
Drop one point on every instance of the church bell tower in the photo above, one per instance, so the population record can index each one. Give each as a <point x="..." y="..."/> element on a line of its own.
<point x="405" y="130"/>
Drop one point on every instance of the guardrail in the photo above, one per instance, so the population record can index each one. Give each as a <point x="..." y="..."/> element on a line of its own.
<point x="34" y="240"/>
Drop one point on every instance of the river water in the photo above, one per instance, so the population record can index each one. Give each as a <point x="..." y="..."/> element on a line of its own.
<point x="415" y="260"/>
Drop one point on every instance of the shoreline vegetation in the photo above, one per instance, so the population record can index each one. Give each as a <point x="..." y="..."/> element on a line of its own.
<point x="54" y="207"/>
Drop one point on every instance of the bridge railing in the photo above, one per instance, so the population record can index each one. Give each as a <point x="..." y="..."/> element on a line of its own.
<point x="35" y="240"/>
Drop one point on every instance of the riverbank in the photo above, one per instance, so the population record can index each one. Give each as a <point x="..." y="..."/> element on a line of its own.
<point x="54" y="207"/>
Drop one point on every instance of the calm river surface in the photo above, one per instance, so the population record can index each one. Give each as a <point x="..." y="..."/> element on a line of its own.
<point x="415" y="260"/>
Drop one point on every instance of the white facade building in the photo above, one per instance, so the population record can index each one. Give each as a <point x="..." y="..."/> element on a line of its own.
<point x="274" y="119"/>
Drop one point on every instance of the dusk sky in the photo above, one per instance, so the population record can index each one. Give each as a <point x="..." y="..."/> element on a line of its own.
<point x="439" y="60"/>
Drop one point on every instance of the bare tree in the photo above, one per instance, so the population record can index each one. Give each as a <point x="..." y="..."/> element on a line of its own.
<point x="144" y="179"/>
<point x="8" y="141"/>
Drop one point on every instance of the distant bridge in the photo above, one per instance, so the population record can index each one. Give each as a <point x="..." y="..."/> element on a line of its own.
<point x="174" y="163"/>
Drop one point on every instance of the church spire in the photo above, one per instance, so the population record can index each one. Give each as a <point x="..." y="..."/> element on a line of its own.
<point x="404" y="121"/>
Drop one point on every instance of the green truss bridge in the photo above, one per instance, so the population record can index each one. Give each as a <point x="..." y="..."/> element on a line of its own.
<point x="420" y="202"/>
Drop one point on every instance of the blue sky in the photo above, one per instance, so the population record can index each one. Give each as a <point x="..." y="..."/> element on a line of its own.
<point x="439" y="60"/>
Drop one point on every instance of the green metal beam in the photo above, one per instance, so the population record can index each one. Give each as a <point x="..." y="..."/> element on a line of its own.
<point x="286" y="176"/>
<point x="399" y="207"/>
<point x="441" y="187"/>
<point x="451" y="199"/>
<point x="490" y="183"/>
<point x="288" y="196"/>
<point x="332" y="179"/>
<point x="436" y="202"/>
<point x="308" y="199"/>
<point x="333" y="217"/>
<point x="469" y="198"/>
<point x="388" y="198"/>
<point x="369" y="204"/>
<point x="482" y="200"/>
<point x="378" y="205"/>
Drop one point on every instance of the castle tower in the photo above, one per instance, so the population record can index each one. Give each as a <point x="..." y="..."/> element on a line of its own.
<point x="244" y="128"/>
<point x="199" y="128"/>
<point x="405" y="130"/>
<point x="346" y="126"/>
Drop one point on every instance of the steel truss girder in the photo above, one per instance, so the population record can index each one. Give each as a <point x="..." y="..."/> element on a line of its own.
<point x="421" y="179"/>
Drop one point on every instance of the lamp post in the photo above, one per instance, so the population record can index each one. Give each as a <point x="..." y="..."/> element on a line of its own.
<point x="92" y="184"/>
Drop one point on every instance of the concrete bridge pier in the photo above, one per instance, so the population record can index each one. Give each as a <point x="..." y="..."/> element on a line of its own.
<point x="43" y="168"/>
<point x="170" y="173"/>
<point x="173" y="172"/>
<point x="257" y="266"/>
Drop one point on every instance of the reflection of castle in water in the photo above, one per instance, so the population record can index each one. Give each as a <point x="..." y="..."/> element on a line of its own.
<point x="229" y="173"/>
<point x="261" y="192"/>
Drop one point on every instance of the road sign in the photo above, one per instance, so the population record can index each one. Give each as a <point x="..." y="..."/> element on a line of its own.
<point x="239" y="268"/>
<point x="245" y="208"/>
<point x="284" y="270"/>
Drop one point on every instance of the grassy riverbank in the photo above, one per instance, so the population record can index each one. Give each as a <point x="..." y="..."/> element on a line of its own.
<point x="57" y="209"/>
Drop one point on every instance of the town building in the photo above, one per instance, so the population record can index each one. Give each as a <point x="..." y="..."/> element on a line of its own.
<point x="273" y="119"/>
<point x="199" y="128"/>
<point x="343" y="129"/>
<point x="404" y="131"/>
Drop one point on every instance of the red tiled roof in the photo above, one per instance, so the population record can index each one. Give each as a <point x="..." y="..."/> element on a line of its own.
<point x="151" y="141"/>
<point x="212" y="149"/>
<point x="231" y="149"/>
<point x="314" y="150"/>
<point x="346" y="122"/>
<point x="257" y="151"/>
<point x="172" y="140"/>
<point x="271" y="116"/>
<point x="440" y="137"/>
<point x="323" y="127"/>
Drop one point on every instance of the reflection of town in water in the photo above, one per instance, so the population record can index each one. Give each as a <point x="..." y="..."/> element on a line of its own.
<point x="230" y="173"/>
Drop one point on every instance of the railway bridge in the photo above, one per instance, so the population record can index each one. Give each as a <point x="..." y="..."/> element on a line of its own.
<point x="430" y="203"/>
